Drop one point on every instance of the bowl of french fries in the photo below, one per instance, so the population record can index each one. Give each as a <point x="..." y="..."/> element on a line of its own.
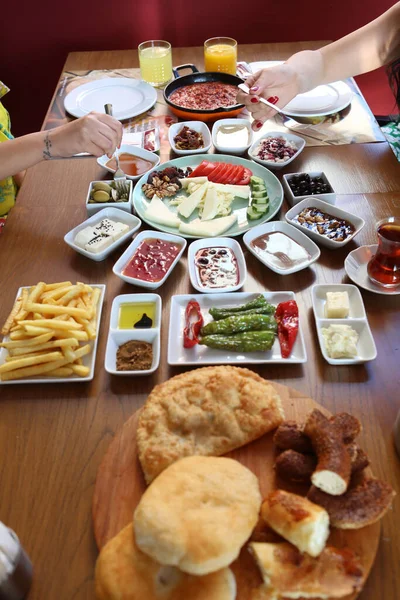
<point x="51" y="333"/>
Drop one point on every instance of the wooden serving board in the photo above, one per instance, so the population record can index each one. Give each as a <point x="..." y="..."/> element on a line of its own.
<point x="120" y="485"/>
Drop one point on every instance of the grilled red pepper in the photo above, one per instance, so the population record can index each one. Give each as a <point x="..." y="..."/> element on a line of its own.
<point x="287" y="317"/>
<point x="193" y="323"/>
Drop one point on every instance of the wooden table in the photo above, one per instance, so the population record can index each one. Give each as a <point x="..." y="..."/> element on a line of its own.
<point x="53" y="437"/>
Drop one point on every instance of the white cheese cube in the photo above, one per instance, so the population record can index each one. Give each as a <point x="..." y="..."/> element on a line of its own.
<point x="99" y="243"/>
<point x="337" y="305"/>
<point x="84" y="236"/>
<point x="113" y="228"/>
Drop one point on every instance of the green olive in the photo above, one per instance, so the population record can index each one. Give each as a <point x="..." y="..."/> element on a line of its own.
<point x="100" y="185"/>
<point x="101" y="196"/>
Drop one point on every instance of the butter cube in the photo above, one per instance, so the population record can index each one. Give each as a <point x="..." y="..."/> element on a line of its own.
<point x="337" y="305"/>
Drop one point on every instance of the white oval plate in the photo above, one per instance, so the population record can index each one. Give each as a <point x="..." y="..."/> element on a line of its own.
<point x="356" y="268"/>
<point x="129" y="97"/>
<point x="239" y="206"/>
<point x="297" y="235"/>
<point x="214" y="243"/>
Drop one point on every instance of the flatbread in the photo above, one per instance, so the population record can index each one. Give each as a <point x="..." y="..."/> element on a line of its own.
<point x="198" y="514"/>
<point x="207" y="412"/>
<point x="125" y="573"/>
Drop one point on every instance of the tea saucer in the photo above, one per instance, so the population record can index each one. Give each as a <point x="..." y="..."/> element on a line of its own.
<point x="356" y="268"/>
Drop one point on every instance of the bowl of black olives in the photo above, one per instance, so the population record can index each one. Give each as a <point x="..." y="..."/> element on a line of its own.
<point x="298" y="186"/>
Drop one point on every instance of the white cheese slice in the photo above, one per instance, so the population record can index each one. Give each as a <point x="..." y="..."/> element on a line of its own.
<point x="99" y="243"/>
<point x="210" y="204"/>
<point x="192" y="201"/>
<point x="240" y="191"/>
<point x="158" y="212"/>
<point x="213" y="228"/>
<point x="337" y="305"/>
<point x="113" y="228"/>
<point x="84" y="236"/>
<point x="185" y="182"/>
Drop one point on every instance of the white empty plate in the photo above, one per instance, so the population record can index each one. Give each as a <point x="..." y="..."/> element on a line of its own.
<point x="129" y="97"/>
<point x="320" y="101"/>
<point x="356" y="268"/>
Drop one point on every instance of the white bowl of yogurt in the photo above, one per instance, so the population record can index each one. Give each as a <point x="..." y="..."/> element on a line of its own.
<point x="232" y="136"/>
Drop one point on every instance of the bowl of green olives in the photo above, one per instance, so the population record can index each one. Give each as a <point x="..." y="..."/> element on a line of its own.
<point x="109" y="194"/>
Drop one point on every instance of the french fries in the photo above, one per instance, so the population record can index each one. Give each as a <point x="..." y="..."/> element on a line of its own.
<point x="47" y="326"/>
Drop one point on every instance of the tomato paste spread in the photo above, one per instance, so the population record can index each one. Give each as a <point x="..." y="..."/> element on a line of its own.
<point x="205" y="96"/>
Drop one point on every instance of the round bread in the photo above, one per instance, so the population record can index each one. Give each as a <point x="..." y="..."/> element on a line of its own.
<point x="198" y="514"/>
<point x="206" y="412"/>
<point x="123" y="572"/>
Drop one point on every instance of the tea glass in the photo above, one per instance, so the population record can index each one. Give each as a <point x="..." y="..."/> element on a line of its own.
<point x="384" y="268"/>
<point x="155" y="59"/>
<point x="220" y="54"/>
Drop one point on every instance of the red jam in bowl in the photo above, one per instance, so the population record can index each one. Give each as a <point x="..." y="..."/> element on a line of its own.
<point x="152" y="260"/>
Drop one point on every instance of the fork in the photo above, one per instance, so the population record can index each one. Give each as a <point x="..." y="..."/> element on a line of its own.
<point x="245" y="88"/>
<point x="119" y="175"/>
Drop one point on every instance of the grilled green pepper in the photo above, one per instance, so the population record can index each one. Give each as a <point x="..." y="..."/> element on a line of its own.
<point x="218" y="313"/>
<point x="258" y="302"/>
<point x="241" y="322"/>
<point x="248" y="341"/>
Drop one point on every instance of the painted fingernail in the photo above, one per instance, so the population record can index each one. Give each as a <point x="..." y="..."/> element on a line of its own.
<point x="254" y="100"/>
<point x="258" y="124"/>
<point x="273" y="99"/>
<point x="255" y="88"/>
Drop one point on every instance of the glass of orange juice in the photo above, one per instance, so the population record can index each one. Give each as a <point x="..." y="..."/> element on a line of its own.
<point x="220" y="54"/>
<point x="155" y="59"/>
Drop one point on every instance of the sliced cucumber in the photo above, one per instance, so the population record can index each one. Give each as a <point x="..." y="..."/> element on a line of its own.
<point x="256" y="195"/>
<point x="258" y="188"/>
<point x="252" y="214"/>
<point x="260" y="208"/>
<point x="254" y="180"/>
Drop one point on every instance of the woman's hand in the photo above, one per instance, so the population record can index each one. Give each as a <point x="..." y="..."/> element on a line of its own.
<point x="278" y="85"/>
<point x="95" y="133"/>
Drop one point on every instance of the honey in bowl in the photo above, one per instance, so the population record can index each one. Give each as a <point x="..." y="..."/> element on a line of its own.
<point x="131" y="164"/>
<point x="384" y="267"/>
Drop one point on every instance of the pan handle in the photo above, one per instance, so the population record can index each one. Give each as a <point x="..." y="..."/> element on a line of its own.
<point x="176" y="70"/>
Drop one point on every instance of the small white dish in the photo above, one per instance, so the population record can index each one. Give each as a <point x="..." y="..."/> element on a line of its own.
<point x="114" y="214"/>
<point x="95" y="207"/>
<point x="356" y="304"/>
<point x="117" y="338"/>
<point x="216" y="243"/>
<point x="198" y="126"/>
<point x="232" y="149"/>
<point x="356" y="268"/>
<point x="89" y="360"/>
<point x="135" y="299"/>
<point x="134" y="151"/>
<point x="329" y="209"/>
<point x="202" y="355"/>
<point x="366" y="349"/>
<point x="292" y="199"/>
<point x="129" y="252"/>
<point x="290" y="137"/>
<point x="296" y="235"/>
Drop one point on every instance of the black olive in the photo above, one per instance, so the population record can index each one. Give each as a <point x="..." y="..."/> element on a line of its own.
<point x="222" y="252"/>
<point x="203" y="261"/>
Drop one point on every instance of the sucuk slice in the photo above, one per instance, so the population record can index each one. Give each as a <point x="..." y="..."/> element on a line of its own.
<point x="237" y="175"/>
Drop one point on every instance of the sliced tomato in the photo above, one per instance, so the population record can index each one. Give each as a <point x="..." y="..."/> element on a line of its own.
<point x="227" y="175"/>
<point x="237" y="175"/>
<point x="200" y="169"/>
<point x="220" y="177"/>
<point x="210" y="168"/>
<point x="213" y="176"/>
<point x="246" y="177"/>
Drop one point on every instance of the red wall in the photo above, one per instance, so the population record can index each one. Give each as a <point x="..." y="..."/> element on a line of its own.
<point x="40" y="34"/>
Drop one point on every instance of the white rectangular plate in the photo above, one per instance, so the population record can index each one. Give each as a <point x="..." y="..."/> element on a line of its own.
<point x="88" y="361"/>
<point x="357" y="319"/>
<point x="201" y="355"/>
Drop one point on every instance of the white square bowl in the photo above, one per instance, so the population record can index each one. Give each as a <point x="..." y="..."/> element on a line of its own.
<point x="366" y="349"/>
<point x="297" y="235"/>
<point x="198" y="126"/>
<point x="93" y="208"/>
<point x="121" y="262"/>
<point x="292" y="199"/>
<point x="107" y="213"/>
<point x="356" y="304"/>
<point x="214" y="243"/>
<point x="117" y="338"/>
<point x="135" y="299"/>
<point x="298" y="141"/>
<point x="230" y="149"/>
<point x="334" y="211"/>
<point x="134" y="151"/>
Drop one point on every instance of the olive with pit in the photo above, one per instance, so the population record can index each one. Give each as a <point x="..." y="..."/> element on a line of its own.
<point x="101" y="185"/>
